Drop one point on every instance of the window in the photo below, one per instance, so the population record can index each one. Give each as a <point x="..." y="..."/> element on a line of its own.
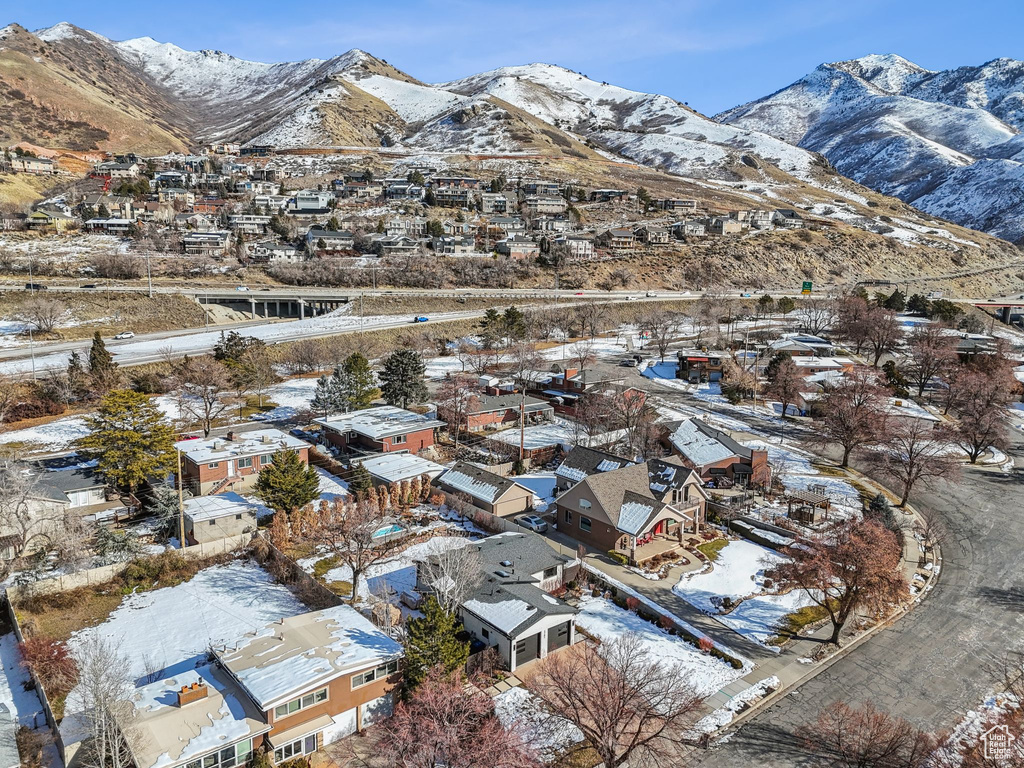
<point x="228" y="757"/>
<point x="486" y="635"/>
<point x="364" y="678"/>
<point x="584" y="523"/>
<point x="265" y="460"/>
<point x="568" y="515"/>
<point x="550" y="573"/>
<point x="213" y="522"/>
<point x="304" y="746"/>
<point x="584" y="504"/>
<point x="399" y="439"/>
<point x="245" y="461"/>
<point x="293" y="706"/>
<point x="238" y="517"/>
<point x="213" y="465"/>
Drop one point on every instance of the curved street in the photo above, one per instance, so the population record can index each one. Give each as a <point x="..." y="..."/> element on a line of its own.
<point x="942" y="659"/>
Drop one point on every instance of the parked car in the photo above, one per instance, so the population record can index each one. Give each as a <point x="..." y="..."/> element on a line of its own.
<point x="420" y="319"/>
<point x="35" y="287"/>
<point x="125" y="335"/>
<point x="533" y="522"/>
<point x="628" y="362"/>
<point x="90" y="285"/>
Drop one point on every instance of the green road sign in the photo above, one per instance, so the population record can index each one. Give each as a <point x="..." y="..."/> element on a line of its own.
<point x="807" y="286"/>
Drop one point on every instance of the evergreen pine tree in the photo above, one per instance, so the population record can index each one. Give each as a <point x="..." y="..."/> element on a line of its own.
<point x="432" y="641"/>
<point x="514" y="322"/>
<point x="129" y="439"/>
<point x="402" y="378"/>
<point x="361" y="481"/>
<point x="76" y="375"/>
<point x="323" y="401"/>
<point x="101" y="362"/>
<point x="162" y="504"/>
<point x="288" y="483"/>
<point x="360" y="386"/>
<point x="491" y="328"/>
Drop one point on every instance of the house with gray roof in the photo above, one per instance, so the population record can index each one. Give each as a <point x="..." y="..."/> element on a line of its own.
<point x="493" y="411"/>
<point x="581" y="462"/>
<point x="714" y="454"/>
<point x="511" y="607"/>
<point x="637" y="511"/>
<point x="485" y="490"/>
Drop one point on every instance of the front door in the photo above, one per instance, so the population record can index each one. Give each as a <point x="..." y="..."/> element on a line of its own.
<point x="231" y="467"/>
<point x="528" y="649"/>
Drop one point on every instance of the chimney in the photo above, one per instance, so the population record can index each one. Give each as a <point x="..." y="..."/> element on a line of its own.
<point x="189" y="693"/>
<point x="230" y="437"/>
<point x="264" y="438"/>
<point x="570" y="372"/>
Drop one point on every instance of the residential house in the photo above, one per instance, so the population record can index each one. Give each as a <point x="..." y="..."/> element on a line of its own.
<point x="83" y="492"/>
<point x="618" y="240"/>
<point x="518" y="247"/>
<point x="454" y="181"/>
<point x="511" y="608"/>
<point x="153" y="211"/>
<point x="485" y="490"/>
<point x="715" y="456"/>
<point x="496" y="202"/>
<point x="110" y="226"/>
<point x="213" y="243"/>
<point x="581" y="462"/>
<point x="638" y="511"/>
<point x="723" y="225"/>
<point x="549" y="223"/>
<point x="652" y="235"/>
<point x="271" y="203"/>
<point x="277" y="253"/>
<point x="676" y="204"/>
<point x="233" y="462"/>
<point x="410" y="226"/>
<point x="902" y="410"/>
<point x="607" y="195"/>
<point x="311" y="201"/>
<point x="802" y="345"/>
<point x="209" y="205"/>
<point x="760" y="218"/>
<point x="176" y="194"/>
<point x="541" y="188"/>
<point x="576" y="247"/>
<point x="209" y="518"/>
<point x="402" y="190"/>
<point x="492" y="411"/>
<point x="257" y="150"/>
<point x="452" y="196"/>
<point x="39" y="166"/>
<point x="507" y="225"/>
<point x="249" y="223"/>
<point x="457" y="228"/>
<point x="810" y="366"/>
<point x="453" y="246"/>
<point x="118" y="206"/>
<point x="322" y="240"/>
<point x="395" y="245"/>
<point x="50" y="221"/>
<point x="683" y="229"/>
<point x="565" y="390"/>
<point x="381" y="429"/>
<point x="787" y="218"/>
<point x="536" y="205"/>
<point x="115" y="170"/>
<point x="198" y="222"/>
<point x="391" y="468"/>
<point x="699" y="365"/>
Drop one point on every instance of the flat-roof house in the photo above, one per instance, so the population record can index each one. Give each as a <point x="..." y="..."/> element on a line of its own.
<point x="213" y="243"/>
<point x="576" y="247"/>
<point x="322" y="240"/>
<point x="232" y="462"/>
<point x="537" y="205"/>
<point x="485" y="411"/>
<point x="512" y="608"/>
<point x="581" y="462"/>
<point x="311" y="201"/>
<point x="715" y="455"/>
<point x="315" y="677"/>
<point x="485" y="490"/>
<point x="109" y="226"/>
<point x="391" y="468"/>
<point x="517" y="247"/>
<point x="209" y="518"/>
<point x="638" y="511"/>
<point x="381" y="429"/>
<point x="696" y="365"/>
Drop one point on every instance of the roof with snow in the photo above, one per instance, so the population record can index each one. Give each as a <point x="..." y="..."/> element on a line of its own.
<point x="205" y="508"/>
<point x="395" y="467"/>
<point x="380" y="422"/>
<point x="300" y="653"/>
<point x="161" y="734"/>
<point x="255" y="443"/>
<point x="702" y="444"/>
<point x="582" y="462"/>
<point x="477" y="482"/>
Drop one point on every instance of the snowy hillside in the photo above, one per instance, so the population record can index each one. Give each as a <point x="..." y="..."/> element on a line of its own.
<point x="947" y="142"/>
<point x="648" y="128"/>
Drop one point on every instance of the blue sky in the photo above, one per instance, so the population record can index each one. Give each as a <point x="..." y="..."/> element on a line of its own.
<point x="710" y="54"/>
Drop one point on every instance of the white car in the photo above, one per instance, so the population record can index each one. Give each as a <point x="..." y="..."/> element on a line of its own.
<point x="533" y="522"/>
<point x="125" y="335"/>
<point x="242" y="288"/>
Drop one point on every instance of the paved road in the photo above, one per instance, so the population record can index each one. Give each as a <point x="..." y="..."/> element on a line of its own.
<point x="938" y="662"/>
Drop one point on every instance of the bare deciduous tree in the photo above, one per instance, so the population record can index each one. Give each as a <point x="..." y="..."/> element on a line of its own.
<point x="817" y="315"/>
<point x="29" y="523"/>
<point x="43" y="313"/>
<point x="631" y="708"/>
<point x="854" y="415"/>
<point x="914" y="451"/>
<point x="850" y="737"/>
<point x="662" y="326"/>
<point x="453" y="573"/>
<point x="932" y="352"/>
<point x="204" y="386"/>
<point x="456" y="398"/>
<point x="101" y="700"/>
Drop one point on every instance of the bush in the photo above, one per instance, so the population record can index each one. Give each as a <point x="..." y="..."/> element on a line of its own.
<point x="705" y="645"/>
<point x="50" y="661"/>
<point x="632" y="604"/>
<point x="618" y="557"/>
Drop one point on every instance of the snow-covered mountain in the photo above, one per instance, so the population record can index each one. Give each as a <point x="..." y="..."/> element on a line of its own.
<point x="947" y="142"/>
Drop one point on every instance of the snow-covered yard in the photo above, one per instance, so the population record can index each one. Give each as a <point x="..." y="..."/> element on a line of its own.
<point x="738" y="573"/>
<point x="543" y="486"/>
<point x="169" y="630"/>
<point x="556" y="432"/>
<point x="520" y="712"/>
<point x="55" y="435"/>
<point x="23" y="703"/>
<point x="607" y="621"/>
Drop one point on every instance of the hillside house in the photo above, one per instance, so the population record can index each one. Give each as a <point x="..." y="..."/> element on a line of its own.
<point x="118" y="206"/>
<point x="410" y="226"/>
<point x="38" y="166"/>
<point x="607" y="195"/>
<point x="541" y="188"/>
<point x="115" y="170"/>
<point x="496" y="202"/>
<point x="552" y="223"/>
<point x="518" y="247"/>
<point x="323" y="240"/>
<point x="381" y="429"/>
<point x="452" y="196"/>
<point x="249" y="223"/>
<point x="311" y="201"/>
<point x="723" y="225"/>
<point x="617" y="240"/>
<point x="787" y="218"/>
<point x="638" y="511"/>
<point x="715" y="456"/>
<point x="403" y="190"/>
<point x="576" y="247"/>
<point x="233" y="462"/>
<point x="48" y="220"/>
<point x="212" y="205"/>
<point x="683" y="229"/>
<point x="651" y="235"/>
<point x="512" y="608"/>
<point x="676" y="204"/>
<point x="119" y="227"/>
<point x="214" y="243"/>
<point x="506" y="225"/>
<point x="395" y="245"/>
<point x="277" y="253"/>
<point x="453" y="246"/>
<point x="485" y="490"/>
<point x="454" y="181"/>
<point x="537" y="205"/>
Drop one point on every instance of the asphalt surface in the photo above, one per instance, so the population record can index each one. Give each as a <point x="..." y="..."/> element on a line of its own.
<point x="943" y="658"/>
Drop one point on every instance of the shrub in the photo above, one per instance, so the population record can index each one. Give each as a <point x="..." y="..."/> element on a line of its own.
<point x="50" y="661"/>
<point x="666" y="622"/>
<point x="632" y="604"/>
<point x="705" y="645"/>
<point x="618" y="557"/>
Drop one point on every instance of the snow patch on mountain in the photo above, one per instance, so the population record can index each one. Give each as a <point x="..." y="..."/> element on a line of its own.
<point x="413" y="103"/>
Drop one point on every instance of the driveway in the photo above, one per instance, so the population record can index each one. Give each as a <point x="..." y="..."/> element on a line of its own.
<point x="936" y="663"/>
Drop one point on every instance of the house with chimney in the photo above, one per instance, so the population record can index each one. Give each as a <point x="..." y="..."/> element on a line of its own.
<point x="715" y="455"/>
<point x="487" y="411"/>
<point x="381" y="429"/>
<point x="637" y="511"/>
<point x="511" y="608"/>
<point x="233" y="462"/>
<point x="290" y="688"/>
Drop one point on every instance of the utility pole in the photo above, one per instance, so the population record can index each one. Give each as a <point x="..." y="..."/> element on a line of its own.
<point x="181" y="503"/>
<point x="149" y="275"/>
<point x="522" y="425"/>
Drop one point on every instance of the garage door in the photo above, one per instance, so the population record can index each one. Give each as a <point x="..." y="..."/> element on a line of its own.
<point x="558" y="637"/>
<point x="344" y="725"/>
<point x="528" y="649"/>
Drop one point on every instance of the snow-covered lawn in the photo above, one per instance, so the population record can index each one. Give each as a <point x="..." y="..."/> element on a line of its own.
<point x="738" y="573"/>
<point x="23" y="704"/>
<point x="543" y="486"/>
<point x="556" y="432"/>
<point x="607" y="621"/>
<point x="439" y="367"/>
<point x="291" y="396"/>
<point x="169" y="630"/>
<point x="520" y="712"/>
<point x="55" y="435"/>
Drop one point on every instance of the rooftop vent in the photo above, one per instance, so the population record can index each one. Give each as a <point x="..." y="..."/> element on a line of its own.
<point x="506" y="563"/>
<point x="189" y="693"/>
<point x="503" y="574"/>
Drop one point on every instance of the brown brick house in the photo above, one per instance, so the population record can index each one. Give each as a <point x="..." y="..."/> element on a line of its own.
<point x="714" y="455"/>
<point x="648" y="505"/>
<point x="381" y="429"/>
<point x="486" y="411"/>
<point x="232" y="462"/>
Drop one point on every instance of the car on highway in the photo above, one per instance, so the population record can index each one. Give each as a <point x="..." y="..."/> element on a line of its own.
<point x="242" y="288"/>
<point x="90" y="285"/>
<point x="125" y="335"/>
<point x="746" y="295"/>
<point x="420" y="319"/>
<point x="35" y="287"/>
<point x="578" y="293"/>
<point x="533" y="522"/>
<point x="632" y="298"/>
